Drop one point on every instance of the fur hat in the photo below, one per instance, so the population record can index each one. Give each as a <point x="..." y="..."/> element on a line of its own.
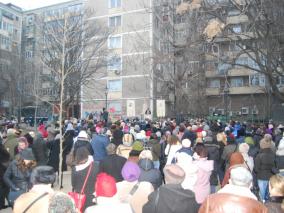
<point x="130" y="171"/>
<point x="174" y="174"/>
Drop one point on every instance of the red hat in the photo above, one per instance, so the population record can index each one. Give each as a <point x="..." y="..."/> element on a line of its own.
<point x="105" y="185"/>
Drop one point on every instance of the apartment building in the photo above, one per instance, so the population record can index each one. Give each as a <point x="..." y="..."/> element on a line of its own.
<point x="10" y="57"/>
<point x="39" y="83"/>
<point x="125" y="85"/>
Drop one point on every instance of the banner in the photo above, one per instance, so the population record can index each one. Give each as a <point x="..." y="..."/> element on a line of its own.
<point x="130" y="108"/>
<point x="161" y="108"/>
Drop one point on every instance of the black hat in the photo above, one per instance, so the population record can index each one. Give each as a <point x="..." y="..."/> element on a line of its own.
<point x="43" y="175"/>
<point x="27" y="154"/>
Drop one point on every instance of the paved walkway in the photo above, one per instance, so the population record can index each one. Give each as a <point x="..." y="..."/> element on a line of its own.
<point x="66" y="188"/>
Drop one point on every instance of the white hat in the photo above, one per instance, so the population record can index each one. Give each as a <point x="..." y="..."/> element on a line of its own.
<point x="82" y="135"/>
<point x="140" y="136"/>
<point x="186" y="143"/>
<point x="241" y="176"/>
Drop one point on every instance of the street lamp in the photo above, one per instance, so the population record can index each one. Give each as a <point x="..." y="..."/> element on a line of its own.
<point x="106" y="93"/>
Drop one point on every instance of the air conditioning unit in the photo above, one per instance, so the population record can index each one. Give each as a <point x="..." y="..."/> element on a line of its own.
<point x="254" y="112"/>
<point x="245" y="110"/>
<point x="238" y="113"/>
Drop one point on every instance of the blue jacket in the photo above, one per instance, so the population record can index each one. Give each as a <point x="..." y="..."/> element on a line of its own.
<point x="99" y="144"/>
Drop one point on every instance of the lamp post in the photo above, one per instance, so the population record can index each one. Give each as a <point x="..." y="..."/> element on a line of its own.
<point x="106" y="93"/>
<point x="226" y="93"/>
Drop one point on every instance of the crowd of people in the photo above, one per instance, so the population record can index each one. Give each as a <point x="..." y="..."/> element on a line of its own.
<point x="142" y="166"/>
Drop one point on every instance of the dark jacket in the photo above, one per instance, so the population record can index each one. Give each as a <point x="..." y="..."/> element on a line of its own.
<point x="171" y="198"/>
<point x="4" y="162"/>
<point x="15" y="178"/>
<point x="99" y="144"/>
<point x="117" y="137"/>
<point x="81" y="143"/>
<point x="112" y="165"/>
<point x="264" y="162"/>
<point x="213" y="154"/>
<point x="149" y="173"/>
<point x="78" y="178"/>
<point x="274" y="204"/>
<point x="54" y="149"/>
<point x="67" y="146"/>
<point x="189" y="135"/>
<point x="155" y="149"/>
<point x="40" y="150"/>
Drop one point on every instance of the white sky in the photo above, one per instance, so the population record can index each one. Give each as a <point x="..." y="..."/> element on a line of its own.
<point x="32" y="4"/>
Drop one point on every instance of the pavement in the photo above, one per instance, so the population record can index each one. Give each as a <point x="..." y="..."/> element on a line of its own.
<point x="66" y="188"/>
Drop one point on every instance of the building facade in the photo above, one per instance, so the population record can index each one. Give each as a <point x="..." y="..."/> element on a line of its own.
<point x="125" y="85"/>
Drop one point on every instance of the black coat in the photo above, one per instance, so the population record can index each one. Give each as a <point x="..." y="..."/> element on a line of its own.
<point x="54" y="149"/>
<point x="82" y="143"/>
<point x="40" y="150"/>
<point x="171" y="198"/>
<point x="78" y="178"/>
<point x="264" y="162"/>
<point x="15" y="178"/>
<point x="67" y="146"/>
<point x="4" y="161"/>
<point x="213" y="154"/>
<point x="112" y="165"/>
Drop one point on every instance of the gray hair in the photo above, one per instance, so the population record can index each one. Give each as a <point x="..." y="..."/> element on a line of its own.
<point x="240" y="176"/>
<point x="61" y="203"/>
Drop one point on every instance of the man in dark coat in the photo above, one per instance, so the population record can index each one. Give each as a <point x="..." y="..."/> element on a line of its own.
<point x="40" y="150"/>
<point x="171" y="197"/>
<point x="113" y="163"/>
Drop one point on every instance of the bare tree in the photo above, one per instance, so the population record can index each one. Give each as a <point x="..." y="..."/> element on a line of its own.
<point x="73" y="51"/>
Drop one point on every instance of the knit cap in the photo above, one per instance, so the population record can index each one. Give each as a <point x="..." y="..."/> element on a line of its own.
<point x="137" y="146"/>
<point x="130" y="171"/>
<point x="105" y="185"/>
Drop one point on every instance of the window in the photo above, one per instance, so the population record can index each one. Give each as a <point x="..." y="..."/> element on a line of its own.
<point x="115" y="3"/>
<point x="114" y="42"/>
<point x="180" y="34"/>
<point x="114" y="63"/>
<point x="237" y="29"/>
<point x="223" y="68"/>
<point x="281" y="80"/>
<point x="213" y="83"/>
<point x="114" y="85"/>
<point x="29" y="54"/>
<point x="115" y="21"/>
<point x="237" y="82"/>
<point x="257" y="80"/>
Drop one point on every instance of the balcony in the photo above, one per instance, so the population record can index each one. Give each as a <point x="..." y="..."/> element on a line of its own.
<point x="245" y="90"/>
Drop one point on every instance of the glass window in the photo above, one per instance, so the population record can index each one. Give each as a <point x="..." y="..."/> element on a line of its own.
<point x="115" y="3"/>
<point x="114" y="63"/>
<point x="237" y="82"/>
<point x="114" y="42"/>
<point x="237" y="29"/>
<point x="213" y="83"/>
<point x="257" y="80"/>
<point x="115" y="21"/>
<point x="114" y="85"/>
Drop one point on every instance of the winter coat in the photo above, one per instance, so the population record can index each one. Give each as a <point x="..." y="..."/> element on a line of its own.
<point x="112" y="165"/>
<point x="202" y="185"/>
<point x="15" y="178"/>
<point x="149" y="173"/>
<point x="109" y="204"/>
<point x="264" y="162"/>
<point x="78" y="176"/>
<point x="155" y="149"/>
<point x="171" y="198"/>
<point x="189" y="135"/>
<point x="274" y="204"/>
<point x="228" y="150"/>
<point x="280" y="155"/>
<point x="170" y="151"/>
<point x="54" y="149"/>
<point x="117" y="136"/>
<point x="10" y="144"/>
<point x="123" y="150"/>
<point x="81" y="143"/>
<point x="139" y="198"/>
<point x="4" y="162"/>
<point x="40" y="150"/>
<point x="226" y="203"/>
<point x="99" y="144"/>
<point x="213" y="154"/>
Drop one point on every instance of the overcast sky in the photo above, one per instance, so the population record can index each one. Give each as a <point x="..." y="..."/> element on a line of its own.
<point x="32" y="4"/>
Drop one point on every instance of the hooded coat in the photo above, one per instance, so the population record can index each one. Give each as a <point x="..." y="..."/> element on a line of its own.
<point x="171" y="198"/>
<point x="149" y="173"/>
